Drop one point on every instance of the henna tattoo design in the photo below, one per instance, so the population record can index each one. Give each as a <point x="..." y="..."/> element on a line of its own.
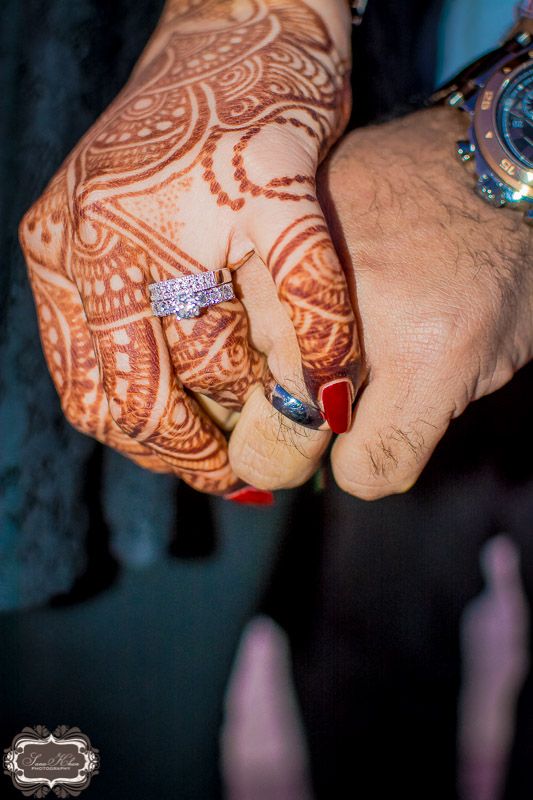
<point x="229" y="109"/>
<point x="305" y="267"/>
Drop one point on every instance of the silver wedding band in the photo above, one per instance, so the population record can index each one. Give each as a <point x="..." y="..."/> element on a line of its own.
<point x="186" y="296"/>
<point x="295" y="409"/>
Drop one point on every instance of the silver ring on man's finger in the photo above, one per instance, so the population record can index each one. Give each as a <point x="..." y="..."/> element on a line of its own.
<point x="295" y="409"/>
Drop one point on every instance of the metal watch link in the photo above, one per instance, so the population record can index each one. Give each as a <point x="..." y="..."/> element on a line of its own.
<point x="497" y="93"/>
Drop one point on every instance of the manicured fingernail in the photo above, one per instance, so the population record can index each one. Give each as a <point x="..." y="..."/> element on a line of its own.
<point x="336" y="399"/>
<point x="250" y="496"/>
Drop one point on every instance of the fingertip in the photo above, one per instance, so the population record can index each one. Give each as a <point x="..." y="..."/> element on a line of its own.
<point x="360" y="476"/>
<point x="336" y="399"/>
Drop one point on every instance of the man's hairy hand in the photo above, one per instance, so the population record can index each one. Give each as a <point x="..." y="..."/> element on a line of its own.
<point x="444" y="288"/>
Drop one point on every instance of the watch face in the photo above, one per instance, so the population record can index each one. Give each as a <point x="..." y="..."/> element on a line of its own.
<point x="515" y="116"/>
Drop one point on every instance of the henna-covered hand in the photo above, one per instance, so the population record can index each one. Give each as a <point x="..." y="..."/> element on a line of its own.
<point x="207" y="155"/>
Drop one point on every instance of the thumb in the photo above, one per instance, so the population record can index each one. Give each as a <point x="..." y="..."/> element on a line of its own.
<point x="399" y="421"/>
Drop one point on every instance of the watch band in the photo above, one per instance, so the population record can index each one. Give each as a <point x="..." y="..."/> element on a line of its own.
<point x="467" y="82"/>
<point x="525" y="9"/>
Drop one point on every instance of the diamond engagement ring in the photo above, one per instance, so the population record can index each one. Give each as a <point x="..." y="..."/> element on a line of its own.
<point x="186" y="296"/>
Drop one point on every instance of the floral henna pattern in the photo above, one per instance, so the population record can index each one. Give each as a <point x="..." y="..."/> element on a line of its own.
<point x="232" y="103"/>
<point x="70" y="353"/>
<point x="277" y="67"/>
<point x="224" y="373"/>
<point x="312" y="285"/>
<point x="67" y="344"/>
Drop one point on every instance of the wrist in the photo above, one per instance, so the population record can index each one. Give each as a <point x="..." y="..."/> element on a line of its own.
<point x="183" y="17"/>
<point x="336" y="15"/>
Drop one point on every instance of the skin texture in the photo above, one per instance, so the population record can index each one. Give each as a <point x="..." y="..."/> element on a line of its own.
<point x="208" y="155"/>
<point x="444" y="290"/>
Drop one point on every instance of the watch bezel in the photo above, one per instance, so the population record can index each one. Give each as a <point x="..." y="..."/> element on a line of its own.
<point x="501" y="161"/>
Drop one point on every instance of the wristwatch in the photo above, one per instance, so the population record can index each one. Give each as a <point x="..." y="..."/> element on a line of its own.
<point x="497" y="93"/>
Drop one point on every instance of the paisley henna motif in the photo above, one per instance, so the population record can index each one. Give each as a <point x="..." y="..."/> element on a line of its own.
<point x="65" y="337"/>
<point x="278" y="67"/>
<point x="232" y="103"/>
<point x="311" y="284"/>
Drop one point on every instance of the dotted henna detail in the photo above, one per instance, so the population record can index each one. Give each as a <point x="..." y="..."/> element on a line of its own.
<point x="279" y="67"/>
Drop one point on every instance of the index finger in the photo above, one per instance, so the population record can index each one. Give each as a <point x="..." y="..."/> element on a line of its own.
<point x="311" y="284"/>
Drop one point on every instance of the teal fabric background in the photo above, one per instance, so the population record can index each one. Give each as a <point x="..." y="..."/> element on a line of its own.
<point x="468" y="29"/>
<point x="60" y="65"/>
<point x="142" y="667"/>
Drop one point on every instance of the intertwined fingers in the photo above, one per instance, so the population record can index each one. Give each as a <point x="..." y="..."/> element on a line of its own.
<point x="108" y="355"/>
<point x="228" y="108"/>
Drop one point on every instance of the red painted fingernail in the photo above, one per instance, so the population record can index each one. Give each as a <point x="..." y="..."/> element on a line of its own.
<point x="250" y="496"/>
<point x="336" y="400"/>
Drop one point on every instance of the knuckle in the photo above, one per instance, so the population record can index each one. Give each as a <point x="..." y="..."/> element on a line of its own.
<point x="269" y="465"/>
<point x="32" y="225"/>
<point x="431" y="339"/>
<point x="131" y="423"/>
<point x="25" y="228"/>
<point x="292" y="153"/>
<point x="41" y="225"/>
